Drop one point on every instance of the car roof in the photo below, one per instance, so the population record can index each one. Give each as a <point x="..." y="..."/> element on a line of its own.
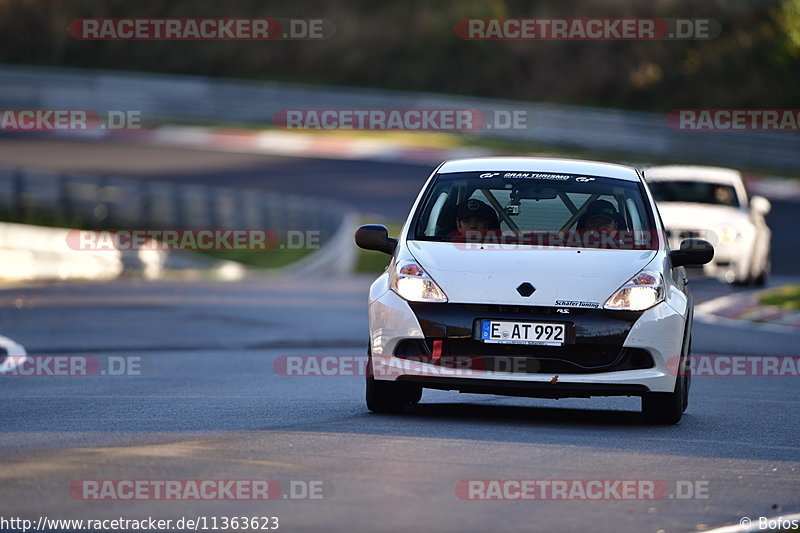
<point x="540" y="164"/>
<point x="693" y="173"/>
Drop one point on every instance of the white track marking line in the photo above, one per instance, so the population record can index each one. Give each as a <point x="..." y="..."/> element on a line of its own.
<point x="15" y="350"/>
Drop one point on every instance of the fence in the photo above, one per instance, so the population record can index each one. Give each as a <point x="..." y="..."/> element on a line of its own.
<point x="86" y="201"/>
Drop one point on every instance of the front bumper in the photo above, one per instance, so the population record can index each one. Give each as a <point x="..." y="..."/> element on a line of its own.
<point x="611" y="352"/>
<point x="732" y="259"/>
<point x="731" y="263"/>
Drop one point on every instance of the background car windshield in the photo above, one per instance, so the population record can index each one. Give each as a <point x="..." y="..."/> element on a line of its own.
<point x="700" y="192"/>
<point x="524" y="203"/>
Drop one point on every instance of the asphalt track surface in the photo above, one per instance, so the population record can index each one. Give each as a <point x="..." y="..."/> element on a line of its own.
<point x="209" y="403"/>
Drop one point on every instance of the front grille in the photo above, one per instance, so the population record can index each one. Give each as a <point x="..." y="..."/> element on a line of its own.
<point x="522" y="310"/>
<point x="685" y="234"/>
<point x="582" y="358"/>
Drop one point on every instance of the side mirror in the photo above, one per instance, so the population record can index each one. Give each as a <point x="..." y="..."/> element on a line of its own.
<point x="760" y="205"/>
<point x="375" y="237"/>
<point x="693" y="252"/>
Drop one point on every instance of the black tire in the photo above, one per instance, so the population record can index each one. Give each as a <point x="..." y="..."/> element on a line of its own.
<point x="668" y="407"/>
<point x="665" y="407"/>
<point x="389" y="396"/>
<point x="414" y="393"/>
<point x="761" y="279"/>
<point x="687" y="379"/>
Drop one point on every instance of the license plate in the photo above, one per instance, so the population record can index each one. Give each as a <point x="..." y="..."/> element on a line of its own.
<point x="533" y="333"/>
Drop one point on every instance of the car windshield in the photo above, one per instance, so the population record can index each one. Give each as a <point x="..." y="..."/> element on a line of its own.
<point x="533" y="208"/>
<point x="700" y="192"/>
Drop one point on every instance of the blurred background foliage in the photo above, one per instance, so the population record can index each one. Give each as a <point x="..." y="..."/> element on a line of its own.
<point x="412" y="46"/>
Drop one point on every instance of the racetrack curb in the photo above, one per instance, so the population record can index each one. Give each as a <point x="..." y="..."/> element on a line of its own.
<point x="745" y="309"/>
<point x="9" y="348"/>
<point x="298" y="144"/>
<point x="285" y="143"/>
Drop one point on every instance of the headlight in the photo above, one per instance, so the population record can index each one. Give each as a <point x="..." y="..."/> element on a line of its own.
<point x="728" y="234"/>
<point x="412" y="283"/>
<point x="642" y="291"/>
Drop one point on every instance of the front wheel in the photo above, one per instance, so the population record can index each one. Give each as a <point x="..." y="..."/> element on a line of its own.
<point x="389" y="396"/>
<point x="668" y="407"/>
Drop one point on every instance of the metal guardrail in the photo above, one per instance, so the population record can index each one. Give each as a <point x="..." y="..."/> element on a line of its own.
<point x="86" y="201"/>
<point x="192" y="98"/>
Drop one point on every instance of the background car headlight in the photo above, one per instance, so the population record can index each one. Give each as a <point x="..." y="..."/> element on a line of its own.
<point x="641" y="292"/>
<point x="412" y="283"/>
<point x="728" y="234"/>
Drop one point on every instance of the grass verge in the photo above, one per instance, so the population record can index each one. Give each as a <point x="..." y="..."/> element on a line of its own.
<point x="785" y="297"/>
<point x="369" y="262"/>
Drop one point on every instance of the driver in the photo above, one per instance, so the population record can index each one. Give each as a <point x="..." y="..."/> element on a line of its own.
<point x="723" y="195"/>
<point x="473" y="215"/>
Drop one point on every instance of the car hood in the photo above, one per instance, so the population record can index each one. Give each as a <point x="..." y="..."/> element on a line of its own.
<point x="583" y="278"/>
<point x="701" y="216"/>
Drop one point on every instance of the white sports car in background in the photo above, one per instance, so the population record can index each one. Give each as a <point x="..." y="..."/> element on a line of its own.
<point x="711" y="203"/>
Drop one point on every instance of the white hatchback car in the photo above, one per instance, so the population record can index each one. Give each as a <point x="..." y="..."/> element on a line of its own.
<point x="532" y="277"/>
<point x="711" y="203"/>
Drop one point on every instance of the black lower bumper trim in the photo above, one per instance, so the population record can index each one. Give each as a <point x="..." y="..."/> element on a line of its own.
<point x="583" y="359"/>
<point x="526" y="389"/>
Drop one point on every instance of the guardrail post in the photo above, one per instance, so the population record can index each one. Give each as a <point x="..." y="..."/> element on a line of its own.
<point x="145" y="203"/>
<point x="178" y="208"/>
<point x="100" y="211"/>
<point x="211" y="199"/>
<point x="64" y="210"/>
<point x="18" y="195"/>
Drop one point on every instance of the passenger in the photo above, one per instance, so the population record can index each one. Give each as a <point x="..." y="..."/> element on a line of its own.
<point x="599" y="216"/>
